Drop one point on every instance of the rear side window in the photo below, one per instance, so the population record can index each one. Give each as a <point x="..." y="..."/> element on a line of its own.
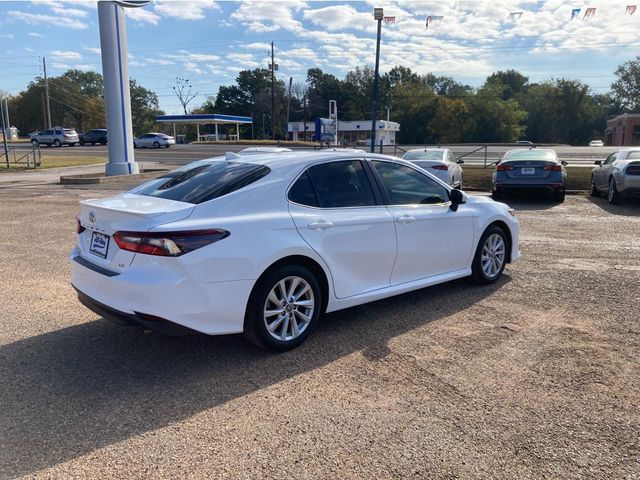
<point x="302" y="192"/>
<point x="203" y="182"/>
<point x="337" y="184"/>
<point x="635" y="155"/>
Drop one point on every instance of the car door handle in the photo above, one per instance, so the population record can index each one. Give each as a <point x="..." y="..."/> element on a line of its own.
<point x="405" y="219"/>
<point x="320" y="225"/>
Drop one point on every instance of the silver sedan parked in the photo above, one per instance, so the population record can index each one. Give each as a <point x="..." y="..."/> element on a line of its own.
<point x="439" y="162"/>
<point x="618" y="175"/>
<point x="153" y="140"/>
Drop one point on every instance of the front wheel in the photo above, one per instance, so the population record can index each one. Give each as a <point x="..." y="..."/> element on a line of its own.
<point x="283" y="308"/>
<point x="612" y="194"/>
<point x="156" y="144"/>
<point x="34" y="143"/>
<point x="72" y="144"/>
<point x="491" y="256"/>
<point x="56" y="143"/>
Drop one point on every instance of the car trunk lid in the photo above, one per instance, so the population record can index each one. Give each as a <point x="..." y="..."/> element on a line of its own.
<point x="529" y="169"/>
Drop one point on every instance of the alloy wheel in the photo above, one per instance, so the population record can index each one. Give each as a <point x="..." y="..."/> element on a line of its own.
<point x="289" y="308"/>
<point x="493" y="255"/>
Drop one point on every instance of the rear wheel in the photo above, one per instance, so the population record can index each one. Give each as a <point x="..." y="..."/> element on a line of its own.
<point x="612" y="194"/>
<point x="156" y="144"/>
<point x="491" y="256"/>
<point x="56" y="143"/>
<point x="72" y="144"/>
<point x="103" y="141"/>
<point x="34" y="143"/>
<point x="496" y="195"/>
<point x="594" y="189"/>
<point x="559" y="195"/>
<point x="283" y="308"/>
<point x="82" y="143"/>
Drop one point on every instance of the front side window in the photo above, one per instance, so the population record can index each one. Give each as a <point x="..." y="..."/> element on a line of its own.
<point x="406" y="186"/>
<point x="340" y="184"/>
<point x="610" y="159"/>
<point x="203" y="182"/>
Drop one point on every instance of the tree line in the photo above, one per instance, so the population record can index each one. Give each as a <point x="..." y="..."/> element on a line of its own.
<point x="430" y="109"/>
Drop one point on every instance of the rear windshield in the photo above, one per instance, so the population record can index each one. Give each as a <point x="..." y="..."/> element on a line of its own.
<point x="635" y="155"/>
<point x="69" y="130"/>
<point x="531" y="154"/>
<point x="422" y="155"/>
<point x="203" y="182"/>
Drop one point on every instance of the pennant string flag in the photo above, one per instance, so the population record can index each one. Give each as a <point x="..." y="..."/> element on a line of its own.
<point x="574" y="13"/>
<point x="590" y="13"/>
<point x="514" y="17"/>
<point x="389" y="19"/>
<point x="432" y="19"/>
<point x="631" y="9"/>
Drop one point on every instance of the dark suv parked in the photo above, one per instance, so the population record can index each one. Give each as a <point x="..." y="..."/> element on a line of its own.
<point x="97" y="135"/>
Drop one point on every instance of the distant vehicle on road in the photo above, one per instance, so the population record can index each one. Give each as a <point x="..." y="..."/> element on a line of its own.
<point x="153" y="140"/>
<point x="596" y="143"/>
<point x="439" y="162"/>
<point x="524" y="142"/>
<point x="618" y="175"/>
<point x="267" y="244"/>
<point x="97" y="135"/>
<point x="56" y="137"/>
<point x="530" y="169"/>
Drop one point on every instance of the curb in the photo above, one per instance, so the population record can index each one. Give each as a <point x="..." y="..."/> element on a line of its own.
<point x="93" y="179"/>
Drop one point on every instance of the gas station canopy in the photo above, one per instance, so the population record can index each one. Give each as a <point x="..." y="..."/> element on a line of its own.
<point x="207" y="119"/>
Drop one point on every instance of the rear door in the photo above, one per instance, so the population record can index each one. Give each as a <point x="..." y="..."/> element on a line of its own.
<point x="335" y="210"/>
<point x="432" y="238"/>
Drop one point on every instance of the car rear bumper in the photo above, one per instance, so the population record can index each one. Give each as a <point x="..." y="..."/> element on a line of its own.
<point x="160" y="298"/>
<point x="630" y="185"/>
<point x="516" y="187"/>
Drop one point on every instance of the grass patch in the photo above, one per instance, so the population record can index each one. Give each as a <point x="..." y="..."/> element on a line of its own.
<point x="55" y="162"/>
<point x="272" y="143"/>
<point x="578" y="178"/>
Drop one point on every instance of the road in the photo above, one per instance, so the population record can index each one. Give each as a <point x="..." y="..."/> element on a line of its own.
<point x="536" y="376"/>
<point x="180" y="154"/>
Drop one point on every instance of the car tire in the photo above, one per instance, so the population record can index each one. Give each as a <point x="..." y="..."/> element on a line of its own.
<point x="496" y="195"/>
<point x="460" y="183"/>
<point x="35" y="143"/>
<point x="559" y="195"/>
<point x="167" y="146"/>
<point x="72" y="144"/>
<point x="103" y="141"/>
<point x="612" y="194"/>
<point x="81" y="142"/>
<point x="492" y="248"/>
<point x="156" y="144"/>
<point x="272" y="321"/>
<point x="135" y="145"/>
<point x="594" y="189"/>
<point x="56" y="143"/>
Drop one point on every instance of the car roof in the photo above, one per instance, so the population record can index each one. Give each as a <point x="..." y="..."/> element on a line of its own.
<point x="427" y="149"/>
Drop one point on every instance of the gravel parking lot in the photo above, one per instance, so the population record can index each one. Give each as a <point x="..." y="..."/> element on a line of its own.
<point x="535" y="376"/>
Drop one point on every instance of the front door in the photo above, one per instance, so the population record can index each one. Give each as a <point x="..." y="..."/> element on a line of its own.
<point x="335" y="210"/>
<point x="432" y="238"/>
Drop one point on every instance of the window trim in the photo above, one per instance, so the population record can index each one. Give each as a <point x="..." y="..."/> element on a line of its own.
<point x="387" y="200"/>
<point x="377" y="194"/>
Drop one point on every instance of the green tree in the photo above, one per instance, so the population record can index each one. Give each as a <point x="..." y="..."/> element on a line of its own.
<point x="451" y="122"/>
<point x="144" y="108"/>
<point x="495" y="119"/>
<point x="512" y="83"/>
<point x="626" y="88"/>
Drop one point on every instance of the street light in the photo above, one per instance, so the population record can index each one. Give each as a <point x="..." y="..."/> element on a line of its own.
<point x="378" y="15"/>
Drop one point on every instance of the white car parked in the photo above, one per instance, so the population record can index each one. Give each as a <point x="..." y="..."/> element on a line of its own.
<point x="438" y="161"/>
<point x="153" y="140"/>
<point x="265" y="244"/>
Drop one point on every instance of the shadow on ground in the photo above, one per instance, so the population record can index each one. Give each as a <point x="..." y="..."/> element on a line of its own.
<point x="530" y="201"/>
<point x="629" y="206"/>
<point x="72" y="391"/>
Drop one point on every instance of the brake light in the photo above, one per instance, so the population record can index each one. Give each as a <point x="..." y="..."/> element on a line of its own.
<point x="555" y="168"/>
<point x="79" y="227"/>
<point x="440" y="167"/>
<point x="504" y="168"/>
<point x="168" y="244"/>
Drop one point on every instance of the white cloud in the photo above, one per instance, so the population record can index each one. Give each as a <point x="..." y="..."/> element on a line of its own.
<point x="67" y="55"/>
<point x="261" y="16"/>
<point x="142" y="15"/>
<point x="34" y="34"/>
<point x="257" y="46"/>
<point x="94" y="50"/>
<point x="185" y="10"/>
<point x="7" y="35"/>
<point x="340" y="17"/>
<point x="27" y="49"/>
<point x="38" y="19"/>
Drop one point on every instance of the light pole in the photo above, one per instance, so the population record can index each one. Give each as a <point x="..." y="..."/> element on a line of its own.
<point x="378" y="15"/>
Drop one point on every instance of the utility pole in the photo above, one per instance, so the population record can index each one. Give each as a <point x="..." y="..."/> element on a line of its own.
<point x="263" y="134"/>
<point x="273" y="98"/>
<point x="304" y="115"/>
<point x="44" y="111"/>
<point x="377" y="15"/>
<point x="286" y="127"/>
<point x="6" y="112"/>
<point x="46" y="92"/>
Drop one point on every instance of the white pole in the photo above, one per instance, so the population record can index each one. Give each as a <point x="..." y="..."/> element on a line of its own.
<point x="216" y="125"/>
<point x="198" y="131"/>
<point x="115" y="70"/>
<point x="237" y="131"/>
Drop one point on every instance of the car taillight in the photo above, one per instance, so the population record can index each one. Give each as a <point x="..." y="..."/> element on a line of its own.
<point x="440" y="167"/>
<point x="168" y="244"/>
<point x="504" y="168"/>
<point x="79" y="227"/>
<point x="555" y="168"/>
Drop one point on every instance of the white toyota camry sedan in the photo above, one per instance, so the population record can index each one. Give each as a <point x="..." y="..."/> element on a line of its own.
<point x="265" y="244"/>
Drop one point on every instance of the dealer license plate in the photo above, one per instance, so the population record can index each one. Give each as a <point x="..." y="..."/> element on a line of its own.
<point x="528" y="171"/>
<point x="99" y="244"/>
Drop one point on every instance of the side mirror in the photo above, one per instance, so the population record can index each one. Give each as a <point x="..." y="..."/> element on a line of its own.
<point x="598" y="162"/>
<point x="457" y="197"/>
<point x="564" y="162"/>
<point x="460" y="161"/>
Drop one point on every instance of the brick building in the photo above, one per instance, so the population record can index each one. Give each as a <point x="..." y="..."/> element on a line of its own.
<point x="623" y="130"/>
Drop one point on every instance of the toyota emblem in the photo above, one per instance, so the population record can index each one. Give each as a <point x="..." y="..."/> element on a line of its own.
<point x="92" y="216"/>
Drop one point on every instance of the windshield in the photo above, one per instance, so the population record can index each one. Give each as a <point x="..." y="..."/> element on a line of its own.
<point x="424" y="155"/>
<point x="202" y="182"/>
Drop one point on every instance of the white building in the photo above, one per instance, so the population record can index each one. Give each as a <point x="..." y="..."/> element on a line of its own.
<point x="353" y="132"/>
